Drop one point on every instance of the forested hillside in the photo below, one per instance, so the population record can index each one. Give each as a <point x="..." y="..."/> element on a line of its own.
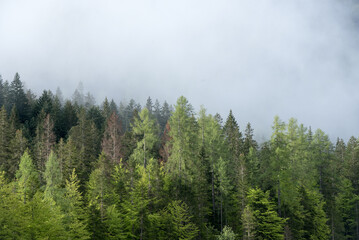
<point x="71" y="169"/>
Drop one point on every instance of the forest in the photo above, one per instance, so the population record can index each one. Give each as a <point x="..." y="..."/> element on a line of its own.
<point x="72" y="169"/>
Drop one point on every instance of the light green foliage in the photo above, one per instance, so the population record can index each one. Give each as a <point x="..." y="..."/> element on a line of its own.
<point x="227" y="234"/>
<point x="13" y="220"/>
<point x="144" y="127"/>
<point x="135" y="207"/>
<point x="53" y="179"/>
<point x="46" y="219"/>
<point x="115" y="223"/>
<point x="249" y="224"/>
<point x="268" y="225"/>
<point x="27" y="178"/>
<point x="181" y="225"/>
<point x="184" y="144"/>
<point x="98" y="187"/>
<point x="75" y="216"/>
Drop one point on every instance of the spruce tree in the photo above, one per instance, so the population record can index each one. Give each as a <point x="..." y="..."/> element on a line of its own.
<point x="76" y="219"/>
<point x="268" y="225"/>
<point x="146" y="131"/>
<point x="27" y="178"/>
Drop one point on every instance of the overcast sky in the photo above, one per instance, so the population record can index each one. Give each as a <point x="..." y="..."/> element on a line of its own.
<point x="260" y="58"/>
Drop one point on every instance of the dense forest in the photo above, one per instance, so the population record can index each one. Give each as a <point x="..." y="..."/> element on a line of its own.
<point x="71" y="169"/>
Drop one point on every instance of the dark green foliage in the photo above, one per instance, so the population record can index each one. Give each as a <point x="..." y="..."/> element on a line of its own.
<point x="18" y="98"/>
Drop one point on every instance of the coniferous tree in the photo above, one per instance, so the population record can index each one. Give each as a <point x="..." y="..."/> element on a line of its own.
<point x="13" y="220"/>
<point x="75" y="219"/>
<point x="149" y="106"/>
<point x="145" y="129"/>
<point x="54" y="179"/>
<point x="46" y="219"/>
<point x="18" y="98"/>
<point x="182" y="226"/>
<point x="27" y="178"/>
<point x="5" y="138"/>
<point x="17" y="146"/>
<point x="86" y="139"/>
<point x="268" y="225"/>
<point x="111" y="142"/>
<point x="184" y="146"/>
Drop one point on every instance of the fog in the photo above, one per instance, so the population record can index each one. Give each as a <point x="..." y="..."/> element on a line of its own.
<point x="260" y="58"/>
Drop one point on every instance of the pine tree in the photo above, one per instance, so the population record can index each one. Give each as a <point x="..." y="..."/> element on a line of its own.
<point x="46" y="219"/>
<point x="17" y="146"/>
<point x="268" y="225"/>
<point x="75" y="219"/>
<point x="315" y="219"/>
<point x="99" y="196"/>
<point x="249" y="141"/>
<point x="5" y="138"/>
<point x="227" y="234"/>
<point x="13" y="220"/>
<point x="234" y="141"/>
<point x="184" y="145"/>
<point x="27" y="178"/>
<point x="145" y="129"/>
<point x="86" y="139"/>
<point x="149" y="106"/>
<point x="54" y="179"/>
<point x="18" y="98"/>
<point x="180" y="220"/>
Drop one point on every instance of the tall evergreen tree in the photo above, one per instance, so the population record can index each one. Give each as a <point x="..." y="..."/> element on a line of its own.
<point x="27" y="178"/>
<point x="268" y="225"/>
<point x="54" y="179"/>
<point x="75" y="219"/>
<point x="18" y="98"/>
<point x="5" y="138"/>
<point x="146" y="131"/>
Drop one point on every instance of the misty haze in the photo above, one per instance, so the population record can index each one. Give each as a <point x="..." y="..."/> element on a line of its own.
<point x="179" y="119"/>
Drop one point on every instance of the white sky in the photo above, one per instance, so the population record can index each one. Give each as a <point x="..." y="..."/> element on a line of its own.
<point x="259" y="58"/>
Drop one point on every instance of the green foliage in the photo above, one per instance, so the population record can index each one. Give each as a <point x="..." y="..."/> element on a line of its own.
<point x="27" y="178"/>
<point x="181" y="226"/>
<point x="75" y="219"/>
<point x="13" y="220"/>
<point x="227" y="234"/>
<point x="268" y="225"/>
<point x="315" y="219"/>
<point x="205" y="173"/>
<point x="46" y="219"/>
<point x="145" y="129"/>
<point x="53" y="179"/>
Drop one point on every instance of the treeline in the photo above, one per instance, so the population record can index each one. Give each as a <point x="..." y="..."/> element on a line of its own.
<point x="76" y="170"/>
